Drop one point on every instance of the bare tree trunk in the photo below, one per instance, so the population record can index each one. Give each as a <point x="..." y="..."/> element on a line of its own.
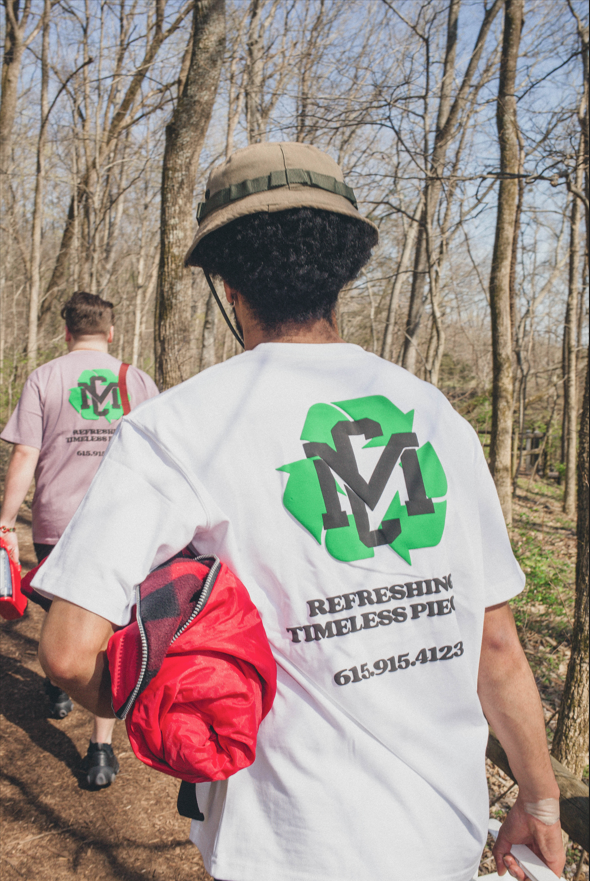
<point x="584" y="120"/>
<point x="11" y="64"/>
<point x="75" y="223"/>
<point x="438" y="349"/>
<point x="185" y="135"/>
<point x="517" y="449"/>
<point x="438" y="334"/>
<point x="38" y="203"/>
<point x="371" y="295"/>
<point x="142" y="297"/>
<point x="235" y="96"/>
<point x="571" y="331"/>
<point x="139" y="294"/>
<point x="570" y="743"/>
<point x="514" y="256"/>
<point x="387" y="344"/>
<point x="15" y="44"/>
<point x="431" y="193"/>
<point x="255" y="46"/>
<point x="582" y="301"/>
<point x="570" y="346"/>
<point x="436" y="345"/>
<point x="518" y="431"/>
<point x="502" y="394"/>
<point x="543" y="446"/>
<point x="207" y="358"/>
<point x="446" y="125"/>
<point x="121" y="329"/>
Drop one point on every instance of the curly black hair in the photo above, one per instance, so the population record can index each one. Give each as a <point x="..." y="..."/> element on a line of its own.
<point x="289" y="265"/>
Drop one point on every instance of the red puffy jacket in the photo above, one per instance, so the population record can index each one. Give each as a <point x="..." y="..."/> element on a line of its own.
<point x="193" y="676"/>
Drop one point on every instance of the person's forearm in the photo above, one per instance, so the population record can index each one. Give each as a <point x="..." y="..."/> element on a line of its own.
<point x="72" y="651"/>
<point x="512" y="706"/>
<point x="19" y="476"/>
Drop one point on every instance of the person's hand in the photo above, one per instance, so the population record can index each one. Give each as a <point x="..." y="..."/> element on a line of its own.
<point x="520" y="828"/>
<point x="11" y="542"/>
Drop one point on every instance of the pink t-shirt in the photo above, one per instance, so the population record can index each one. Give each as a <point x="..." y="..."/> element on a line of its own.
<point x="69" y="410"/>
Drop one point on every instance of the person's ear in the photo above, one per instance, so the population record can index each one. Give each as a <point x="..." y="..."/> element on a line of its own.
<point x="68" y="335"/>
<point x="230" y="293"/>
<point x="111" y="334"/>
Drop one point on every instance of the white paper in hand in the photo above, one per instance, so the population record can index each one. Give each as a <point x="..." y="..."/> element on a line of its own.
<point x="532" y="866"/>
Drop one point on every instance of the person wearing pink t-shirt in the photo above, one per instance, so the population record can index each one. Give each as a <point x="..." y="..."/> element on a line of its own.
<point x="67" y="413"/>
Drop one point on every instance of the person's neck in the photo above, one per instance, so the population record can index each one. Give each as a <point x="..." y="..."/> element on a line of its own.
<point x="317" y="332"/>
<point x="89" y="343"/>
<point x="324" y="330"/>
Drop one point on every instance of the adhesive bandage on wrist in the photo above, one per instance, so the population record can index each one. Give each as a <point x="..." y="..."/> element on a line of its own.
<point x="546" y="810"/>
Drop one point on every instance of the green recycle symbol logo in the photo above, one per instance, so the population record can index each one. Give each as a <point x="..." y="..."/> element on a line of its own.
<point x="96" y="395"/>
<point x="317" y="483"/>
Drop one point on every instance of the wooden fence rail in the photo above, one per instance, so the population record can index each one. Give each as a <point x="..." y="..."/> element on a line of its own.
<point x="573" y="799"/>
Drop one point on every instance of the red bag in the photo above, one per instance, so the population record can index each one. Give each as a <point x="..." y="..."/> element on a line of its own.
<point x="12" y="601"/>
<point x="193" y="676"/>
<point x="30" y="592"/>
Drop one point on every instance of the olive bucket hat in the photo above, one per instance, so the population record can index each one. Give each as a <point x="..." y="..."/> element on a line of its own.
<point x="268" y="177"/>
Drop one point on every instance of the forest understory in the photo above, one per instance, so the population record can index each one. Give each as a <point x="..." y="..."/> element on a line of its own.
<point x="55" y="829"/>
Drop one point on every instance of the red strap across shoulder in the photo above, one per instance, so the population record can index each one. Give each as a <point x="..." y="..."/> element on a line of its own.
<point x="123" y="389"/>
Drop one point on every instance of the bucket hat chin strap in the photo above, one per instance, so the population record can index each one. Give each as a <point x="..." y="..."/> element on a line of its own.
<point x="223" y="312"/>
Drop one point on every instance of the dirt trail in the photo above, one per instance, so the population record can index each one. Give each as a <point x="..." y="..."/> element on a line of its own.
<point x="53" y="829"/>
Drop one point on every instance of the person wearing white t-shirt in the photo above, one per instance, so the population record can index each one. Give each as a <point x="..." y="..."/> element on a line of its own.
<point x="357" y="507"/>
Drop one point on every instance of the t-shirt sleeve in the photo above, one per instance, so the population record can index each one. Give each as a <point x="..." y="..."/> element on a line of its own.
<point x="140" y="510"/>
<point x="25" y="426"/>
<point x="145" y="385"/>
<point x="503" y="577"/>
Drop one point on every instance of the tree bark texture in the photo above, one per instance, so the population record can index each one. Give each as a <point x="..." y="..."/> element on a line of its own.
<point x="387" y="344"/>
<point x="514" y="256"/>
<point x="207" y="358"/>
<point x="254" y="49"/>
<point x="432" y="193"/>
<point x="570" y="743"/>
<point x="38" y="204"/>
<point x="146" y="283"/>
<point x="446" y="128"/>
<point x="15" y="44"/>
<point x="437" y="336"/>
<point x="570" y="349"/>
<point x="185" y="135"/>
<point x="13" y="53"/>
<point x="502" y="394"/>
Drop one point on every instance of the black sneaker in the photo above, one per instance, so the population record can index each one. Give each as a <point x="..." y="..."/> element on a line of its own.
<point x="60" y="703"/>
<point x="100" y="764"/>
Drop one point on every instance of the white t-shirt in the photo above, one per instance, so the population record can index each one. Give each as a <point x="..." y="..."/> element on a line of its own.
<point x="357" y="507"/>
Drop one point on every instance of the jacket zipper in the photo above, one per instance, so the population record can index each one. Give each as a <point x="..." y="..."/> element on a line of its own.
<point x="199" y="606"/>
<point x="144" y="661"/>
<point x="205" y="594"/>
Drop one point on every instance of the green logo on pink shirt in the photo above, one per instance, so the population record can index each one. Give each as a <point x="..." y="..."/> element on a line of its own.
<point x="96" y="395"/>
<point x="330" y="471"/>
